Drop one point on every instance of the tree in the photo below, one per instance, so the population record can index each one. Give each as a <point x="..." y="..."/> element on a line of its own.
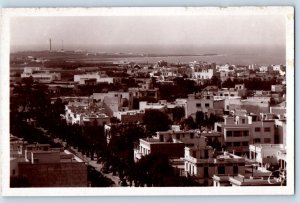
<point x="189" y="123"/>
<point x="152" y="170"/>
<point x="215" y="81"/>
<point x="156" y="120"/>
<point x="114" y="120"/>
<point x="97" y="179"/>
<point x="178" y="113"/>
<point x="119" y="154"/>
<point x="228" y="83"/>
<point x="200" y="119"/>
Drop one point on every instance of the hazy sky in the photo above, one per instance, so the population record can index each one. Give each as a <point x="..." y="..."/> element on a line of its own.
<point x="167" y="30"/>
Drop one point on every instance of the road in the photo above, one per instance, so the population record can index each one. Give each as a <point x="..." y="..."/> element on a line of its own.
<point x="97" y="166"/>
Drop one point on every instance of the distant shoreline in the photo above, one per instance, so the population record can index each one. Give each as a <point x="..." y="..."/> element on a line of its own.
<point x="114" y="54"/>
<point x="238" y="58"/>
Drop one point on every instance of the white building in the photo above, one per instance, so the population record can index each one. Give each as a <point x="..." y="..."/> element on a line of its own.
<point x="125" y="99"/>
<point x="202" y="166"/>
<point x="254" y="105"/>
<point x="277" y="88"/>
<point x="225" y="68"/>
<point x="85" y="115"/>
<point x="40" y="75"/>
<point x="268" y="154"/>
<point x="195" y="104"/>
<point x="161" y="105"/>
<point x="241" y="131"/>
<point x="81" y="79"/>
<point x="203" y="74"/>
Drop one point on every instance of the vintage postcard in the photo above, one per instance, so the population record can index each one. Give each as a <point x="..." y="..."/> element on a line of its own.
<point x="147" y="101"/>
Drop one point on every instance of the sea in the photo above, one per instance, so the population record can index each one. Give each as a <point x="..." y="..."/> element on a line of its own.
<point x="220" y="54"/>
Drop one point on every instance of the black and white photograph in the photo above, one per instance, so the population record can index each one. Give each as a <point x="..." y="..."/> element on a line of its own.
<point x="148" y="101"/>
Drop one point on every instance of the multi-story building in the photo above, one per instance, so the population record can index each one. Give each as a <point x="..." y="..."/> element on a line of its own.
<point x="195" y="104"/>
<point x="241" y="131"/>
<point x="254" y="105"/>
<point x="86" y="115"/>
<point x="225" y="68"/>
<point x="202" y="164"/>
<point x="40" y="75"/>
<point x="43" y="166"/>
<point x="123" y="99"/>
<point x="144" y="92"/>
<point x="157" y="146"/>
<point x="280" y="131"/>
<point x="238" y="91"/>
<point x="130" y="116"/>
<point x="203" y="74"/>
<point x="190" y="138"/>
<point x="224" y="75"/>
<point x="172" y="143"/>
<point x="267" y="155"/>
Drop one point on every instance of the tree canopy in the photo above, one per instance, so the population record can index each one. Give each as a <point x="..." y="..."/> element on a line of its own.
<point x="156" y="120"/>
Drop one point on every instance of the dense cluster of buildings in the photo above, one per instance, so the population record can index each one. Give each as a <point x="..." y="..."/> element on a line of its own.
<point x="250" y="147"/>
<point x="250" y="140"/>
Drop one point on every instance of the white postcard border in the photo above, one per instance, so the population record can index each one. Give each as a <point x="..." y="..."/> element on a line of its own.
<point x="6" y="14"/>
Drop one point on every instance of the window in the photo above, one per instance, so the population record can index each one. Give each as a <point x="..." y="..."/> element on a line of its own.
<point x="206" y="154"/>
<point x="177" y="136"/>
<point x="206" y="105"/>
<point x="245" y="143"/>
<point x="205" y="172"/>
<point x="235" y="169"/>
<point x="192" y="135"/>
<point x="245" y="133"/>
<point x="221" y="170"/>
<point x="219" y="129"/>
<point x="243" y="120"/>
<point x="13" y="171"/>
<point x="207" y="97"/>
<point x="229" y="134"/>
<point x="256" y="140"/>
<point x="257" y="129"/>
<point x="236" y="144"/>
<point x="268" y="129"/>
<point x="198" y="105"/>
<point x="194" y="154"/>
<point x="228" y="144"/>
<point x="267" y="140"/>
<point x="236" y="133"/>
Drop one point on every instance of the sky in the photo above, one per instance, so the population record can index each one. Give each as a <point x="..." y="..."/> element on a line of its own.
<point x="214" y="30"/>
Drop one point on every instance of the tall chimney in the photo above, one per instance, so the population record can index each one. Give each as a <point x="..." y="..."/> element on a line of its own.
<point x="50" y="44"/>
